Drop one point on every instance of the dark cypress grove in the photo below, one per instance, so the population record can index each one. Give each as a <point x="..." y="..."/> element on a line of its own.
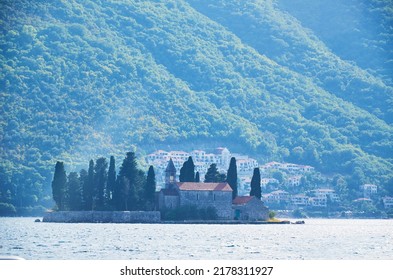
<point x="98" y="188"/>
<point x="150" y="188"/>
<point x="256" y="184"/>
<point x="110" y="188"/>
<point x="59" y="185"/>
<point x="100" y="180"/>
<point x="232" y="177"/>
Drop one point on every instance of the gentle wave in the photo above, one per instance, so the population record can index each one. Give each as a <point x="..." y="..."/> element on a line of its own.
<point x="317" y="239"/>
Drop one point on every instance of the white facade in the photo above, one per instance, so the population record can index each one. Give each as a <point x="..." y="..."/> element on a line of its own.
<point x="387" y="202"/>
<point x="202" y="160"/>
<point x="369" y="190"/>
<point x="291" y="168"/>
<point x="318" y="201"/>
<point x="266" y="181"/>
<point x="300" y="200"/>
<point x="294" y="181"/>
<point x="325" y="194"/>
<point x="276" y="197"/>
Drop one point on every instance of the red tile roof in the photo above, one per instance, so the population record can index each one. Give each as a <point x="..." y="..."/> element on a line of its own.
<point x="190" y="186"/>
<point x="242" y="199"/>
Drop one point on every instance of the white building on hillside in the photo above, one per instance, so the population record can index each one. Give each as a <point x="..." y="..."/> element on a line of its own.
<point x="326" y="193"/>
<point x="300" y="200"/>
<point x="369" y="190"/>
<point x="202" y="161"/>
<point x="388" y="202"/>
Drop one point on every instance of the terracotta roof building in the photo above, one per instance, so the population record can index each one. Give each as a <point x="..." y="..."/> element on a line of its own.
<point x="209" y="195"/>
<point x="201" y="195"/>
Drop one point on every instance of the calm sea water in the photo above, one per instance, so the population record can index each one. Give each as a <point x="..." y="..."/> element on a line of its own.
<point x="317" y="239"/>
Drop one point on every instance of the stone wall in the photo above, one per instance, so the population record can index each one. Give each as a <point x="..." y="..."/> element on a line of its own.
<point x="103" y="217"/>
<point x="254" y="210"/>
<point x="221" y="201"/>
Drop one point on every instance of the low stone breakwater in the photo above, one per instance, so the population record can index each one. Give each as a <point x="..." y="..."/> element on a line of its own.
<point x="102" y="217"/>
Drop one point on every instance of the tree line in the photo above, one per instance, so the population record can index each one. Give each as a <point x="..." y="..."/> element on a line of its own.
<point x="101" y="188"/>
<point x="188" y="174"/>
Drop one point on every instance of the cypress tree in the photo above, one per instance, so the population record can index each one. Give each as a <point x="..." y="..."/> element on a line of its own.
<point x="59" y="185"/>
<point x="138" y="194"/>
<point x="127" y="178"/>
<point x="100" y="179"/>
<point x="232" y="177"/>
<point x="88" y="188"/>
<point x="212" y="174"/>
<point x="190" y="171"/>
<point x="75" y="192"/>
<point x="150" y="188"/>
<point x="256" y="184"/>
<point x="187" y="172"/>
<point x="116" y="196"/>
<point x="124" y="189"/>
<point x="182" y="174"/>
<point x="197" y="179"/>
<point x="111" y="185"/>
<point x="82" y="181"/>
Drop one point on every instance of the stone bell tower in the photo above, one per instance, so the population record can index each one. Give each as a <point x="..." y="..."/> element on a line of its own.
<point x="170" y="175"/>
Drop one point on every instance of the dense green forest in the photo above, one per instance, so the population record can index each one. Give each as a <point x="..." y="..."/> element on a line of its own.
<point x="83" y="79"/>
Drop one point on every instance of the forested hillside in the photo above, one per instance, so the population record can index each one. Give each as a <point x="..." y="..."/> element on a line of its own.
<point x="82" y="79"/>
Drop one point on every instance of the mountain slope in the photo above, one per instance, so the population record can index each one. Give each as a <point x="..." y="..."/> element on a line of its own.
<point x="356" y="30"/>
<point x="84" y="79"/>
<point x="276" y="34"/>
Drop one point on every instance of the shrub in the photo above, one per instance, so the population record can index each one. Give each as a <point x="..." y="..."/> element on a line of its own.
<point x="7" y="209"/>
<point x="32" y="211"/>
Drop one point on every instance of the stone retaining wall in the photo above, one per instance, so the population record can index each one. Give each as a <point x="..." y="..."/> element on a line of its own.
<point x="103" y="217"/>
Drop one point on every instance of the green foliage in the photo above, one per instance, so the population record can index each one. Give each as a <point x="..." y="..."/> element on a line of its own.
<point x="256" y="189"/>
<point x="232" y="177"/>
<point x="278" y="175"/>
<point x="297" y="213"/>
<point x="90" y="78"/>
<point x="150" y="188"/>
<point x="59" y="187"/>
<point x="7" y="209"/>
<point x="74" y="187"/>
<point x="111" y="184"/>
<point x="88" y="187"/>
<point x="127" y="180"/>
<point x="197" y="179"/>
<point x="100" y="200"/>
<point x="187" y="172"/>
<point x="213" y="176"/>
<point x="88" y="190"/>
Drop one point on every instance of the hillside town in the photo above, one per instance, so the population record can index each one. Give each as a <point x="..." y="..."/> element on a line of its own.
<point x="286" y="187"/>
